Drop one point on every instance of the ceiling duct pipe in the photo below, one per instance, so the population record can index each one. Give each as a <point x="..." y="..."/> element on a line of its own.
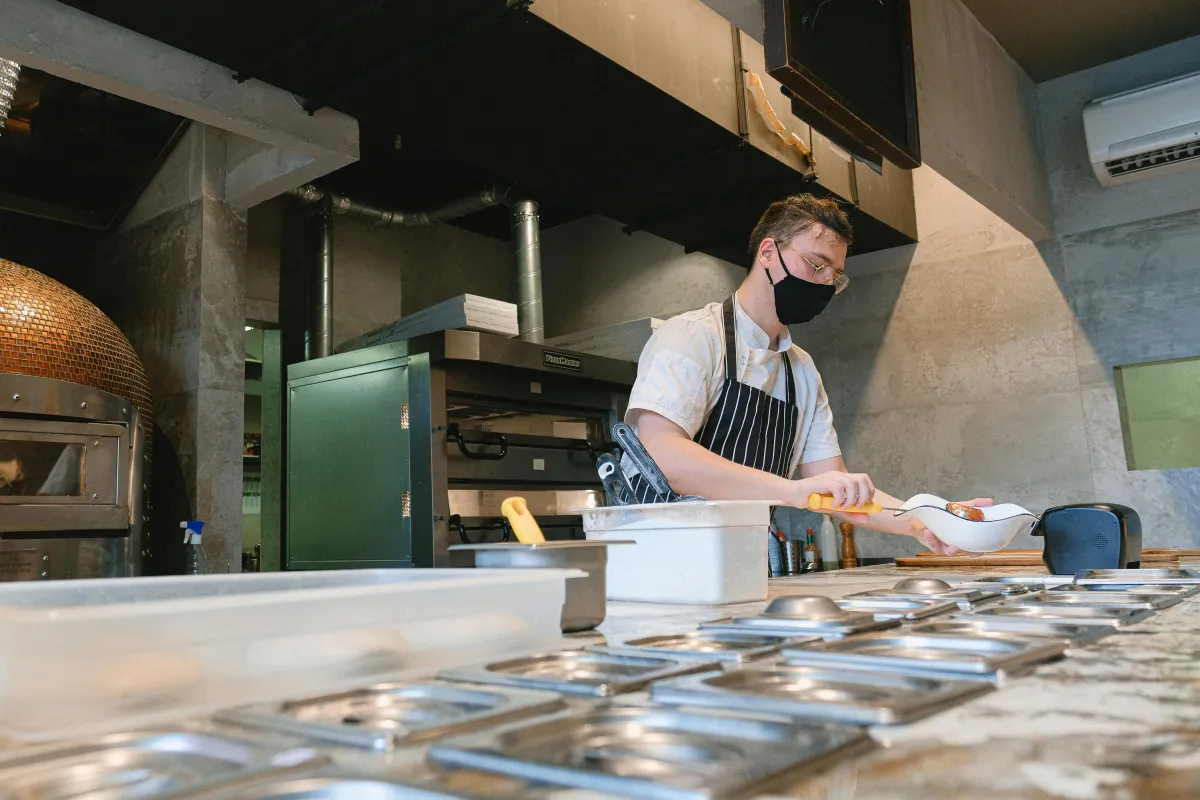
<point x="527" y="259"/>
<point x="388" y="218"/>
<point x="319" y="245"/>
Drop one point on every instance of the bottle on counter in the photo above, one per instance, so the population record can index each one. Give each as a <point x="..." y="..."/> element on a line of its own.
<point x="195" y="561"/>
<point x="827" y="544"/>
<point x="812" y="557"/>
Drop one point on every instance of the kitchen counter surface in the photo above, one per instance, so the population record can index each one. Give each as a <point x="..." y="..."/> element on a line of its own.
<point x="1114" y="720"/>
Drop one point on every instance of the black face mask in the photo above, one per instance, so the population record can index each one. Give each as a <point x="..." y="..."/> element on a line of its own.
<point x="796" y="300"/>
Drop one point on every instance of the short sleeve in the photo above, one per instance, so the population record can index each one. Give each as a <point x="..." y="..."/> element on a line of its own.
<point x="822" y="440"/>
<point x="675" y="374"/>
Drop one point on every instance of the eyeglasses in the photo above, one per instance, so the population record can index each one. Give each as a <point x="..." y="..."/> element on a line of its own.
<point x="840" y="281"/>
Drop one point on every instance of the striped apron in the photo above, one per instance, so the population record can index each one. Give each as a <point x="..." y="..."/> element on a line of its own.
<point x="747" y="425"/>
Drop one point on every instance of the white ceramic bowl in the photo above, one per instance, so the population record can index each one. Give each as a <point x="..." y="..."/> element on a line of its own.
<point x="1001" y="524"/>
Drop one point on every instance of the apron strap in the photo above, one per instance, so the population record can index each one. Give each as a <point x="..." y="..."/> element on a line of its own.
<point x="791" y="377"/>
<point x="731" y="372"/>
<point x="731" y="353"/>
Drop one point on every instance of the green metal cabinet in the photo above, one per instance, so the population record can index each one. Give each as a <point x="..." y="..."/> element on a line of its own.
<point x="350" y="469"/>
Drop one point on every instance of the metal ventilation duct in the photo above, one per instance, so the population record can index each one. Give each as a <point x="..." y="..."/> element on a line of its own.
<point x="386" y="217"/>
<point x="319" y="245"/>
<point x="319" y="241"/>
<point x="527" y="260"/>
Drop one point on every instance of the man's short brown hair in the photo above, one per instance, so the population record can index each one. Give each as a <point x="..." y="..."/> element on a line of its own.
<point x="784" y="219"/>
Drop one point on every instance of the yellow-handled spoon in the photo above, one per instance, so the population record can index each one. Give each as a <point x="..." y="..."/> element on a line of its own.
<point x="516" y="511"/>
<point x="822" y="503"/>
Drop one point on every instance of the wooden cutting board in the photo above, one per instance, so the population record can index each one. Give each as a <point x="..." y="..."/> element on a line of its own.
<point x="1025" y="558"/>
<point x="1004" y="558"/>
<point x="1154" y="551"/>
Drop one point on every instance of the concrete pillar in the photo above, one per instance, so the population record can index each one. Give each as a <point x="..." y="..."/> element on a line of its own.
<point x="173" y="278"/>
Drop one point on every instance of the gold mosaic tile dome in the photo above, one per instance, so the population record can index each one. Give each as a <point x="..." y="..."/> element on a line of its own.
<point x="49" y="331"/>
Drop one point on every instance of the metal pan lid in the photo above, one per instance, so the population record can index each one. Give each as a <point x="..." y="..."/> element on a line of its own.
<point x="898" y="607"/>
<point x="1135" y="576"/>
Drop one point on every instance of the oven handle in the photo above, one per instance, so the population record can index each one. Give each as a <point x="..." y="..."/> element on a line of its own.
<point x="490" y="439"/>
<point x="456" y="522"/>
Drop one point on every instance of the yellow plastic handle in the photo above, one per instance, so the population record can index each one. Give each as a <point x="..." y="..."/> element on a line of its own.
<point x="516" y="511"/>
<point x="824" y="502"/>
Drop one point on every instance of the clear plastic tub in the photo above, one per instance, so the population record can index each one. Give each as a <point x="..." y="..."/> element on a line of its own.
<point x="699" y="553"/>
<point x="88" y="656"/>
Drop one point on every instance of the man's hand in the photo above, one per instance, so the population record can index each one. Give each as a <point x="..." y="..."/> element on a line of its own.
<point x="848" y="490"/>
<point x="927" y="537"/>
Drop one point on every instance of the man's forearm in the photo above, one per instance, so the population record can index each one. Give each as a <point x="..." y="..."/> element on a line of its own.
<point x="692" y="469"/>
<point x="885" y="521"/>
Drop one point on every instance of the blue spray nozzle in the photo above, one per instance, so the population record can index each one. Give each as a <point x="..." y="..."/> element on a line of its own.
<point x="192" y="530"/>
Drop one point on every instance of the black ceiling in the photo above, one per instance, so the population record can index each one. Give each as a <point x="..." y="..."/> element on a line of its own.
<point x="76" y="154"/>
<point x="477" y="93"/>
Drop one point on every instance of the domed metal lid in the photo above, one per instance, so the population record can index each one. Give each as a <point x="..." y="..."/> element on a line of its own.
<point x="813" y="607"/>
<point x="923" y="586"/>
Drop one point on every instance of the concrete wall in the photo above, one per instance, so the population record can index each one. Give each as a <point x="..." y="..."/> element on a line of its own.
<point x="372" y="264"/>
<point x="1134" y="289"/>
<point x="594" y="275"/>
<point x="978" y="114"/>
<point x="173" y="280"/>
<point x="1080" y="202"/>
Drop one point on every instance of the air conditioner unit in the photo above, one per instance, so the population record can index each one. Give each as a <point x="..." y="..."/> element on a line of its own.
<point x="1149" y="131"/>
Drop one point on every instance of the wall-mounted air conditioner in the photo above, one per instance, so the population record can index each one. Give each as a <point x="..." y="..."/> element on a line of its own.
<point x="1149" y="131"/>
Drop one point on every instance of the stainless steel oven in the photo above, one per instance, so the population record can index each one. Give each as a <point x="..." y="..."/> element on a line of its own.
<point x="72" y="461"/>
<point x="397" y="451"/>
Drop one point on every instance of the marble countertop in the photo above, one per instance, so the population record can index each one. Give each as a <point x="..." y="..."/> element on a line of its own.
<point x="1116" y="720"/>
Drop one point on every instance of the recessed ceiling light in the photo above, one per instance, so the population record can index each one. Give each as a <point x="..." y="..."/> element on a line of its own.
<point x="249" y="327"/>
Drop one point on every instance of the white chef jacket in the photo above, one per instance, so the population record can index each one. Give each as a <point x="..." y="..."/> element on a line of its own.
<point x="682" y="370"/>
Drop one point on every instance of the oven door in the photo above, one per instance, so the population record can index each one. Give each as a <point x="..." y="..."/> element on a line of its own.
<point x="497" y="443"/>
<point x="63" y="476"/>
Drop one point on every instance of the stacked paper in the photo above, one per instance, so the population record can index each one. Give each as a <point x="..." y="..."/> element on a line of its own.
<point x="465" y="312"/>
<point x="623" y="341"/>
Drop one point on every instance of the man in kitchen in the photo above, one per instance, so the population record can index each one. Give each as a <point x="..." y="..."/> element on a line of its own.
<point x="730" y="409"/>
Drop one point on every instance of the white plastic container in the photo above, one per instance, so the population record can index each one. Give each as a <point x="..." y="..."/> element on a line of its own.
<point x="88" y="656"/>
<point x="698" y="553"/>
